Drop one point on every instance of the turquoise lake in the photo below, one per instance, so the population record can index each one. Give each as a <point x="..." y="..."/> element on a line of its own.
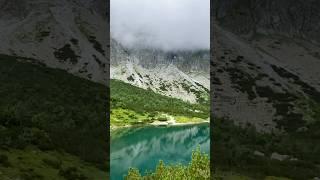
<point x="143" y="147"/>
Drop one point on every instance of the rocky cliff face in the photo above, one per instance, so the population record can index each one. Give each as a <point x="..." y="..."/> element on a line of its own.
<point x="299" y="18"/>
<point x="65" y="34"/>
<point x="180" y="74"/>
<point x="266" y="74"/>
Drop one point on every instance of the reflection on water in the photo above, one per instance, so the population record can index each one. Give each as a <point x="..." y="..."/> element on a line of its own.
<point x="144" y="147"/>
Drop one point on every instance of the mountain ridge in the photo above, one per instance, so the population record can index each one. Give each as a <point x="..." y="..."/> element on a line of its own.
<point x="182" y="74"/>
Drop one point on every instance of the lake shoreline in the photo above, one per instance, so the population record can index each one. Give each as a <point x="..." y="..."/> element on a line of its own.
<point x="158" y="124"/>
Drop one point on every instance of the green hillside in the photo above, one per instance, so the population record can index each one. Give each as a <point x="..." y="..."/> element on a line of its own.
<point x="50" y="111"/>
<point x="132" y="105"/>
<point x="234" y="149"/>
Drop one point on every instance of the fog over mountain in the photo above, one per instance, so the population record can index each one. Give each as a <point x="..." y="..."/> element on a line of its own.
<point x="161" y="24"/>
<point x="162" y="45"/>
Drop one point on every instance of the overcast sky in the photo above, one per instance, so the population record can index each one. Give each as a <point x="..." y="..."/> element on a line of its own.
<point x="165" y="24"/>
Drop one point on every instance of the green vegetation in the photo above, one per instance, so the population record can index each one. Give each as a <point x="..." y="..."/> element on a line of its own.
<point x="51" y="111"/>
<point x="30" y="163"/>
<point x="198" y="168"/>
<point x="236" y="176"/>
<point x="122" y="117"/>
<point x="235" y="147"/>
<point x="184" y="119"/>
<point x="131" y="105"/>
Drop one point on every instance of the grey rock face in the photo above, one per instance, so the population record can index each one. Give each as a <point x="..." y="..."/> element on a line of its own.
<point x="66" y="34"/>
<point x="265" y="63"/>
<point x="278" y="156"/>
<point x="299" y="18"/>
<point x="187" y="61"/>
<point x="180" y="74"/>
<point x="258" y="153"/>
<point x="270" y="82"/>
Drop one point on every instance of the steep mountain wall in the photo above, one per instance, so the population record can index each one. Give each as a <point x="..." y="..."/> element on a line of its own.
<point x="180" y="74"/>
<point x="66" y="34"/>
<point x="185" y="60"/>
<point x="298" y="18"/>
<point x="266" y="61"/>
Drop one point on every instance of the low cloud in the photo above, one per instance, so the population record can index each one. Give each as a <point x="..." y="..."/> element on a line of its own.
<point x="163" y="24"/>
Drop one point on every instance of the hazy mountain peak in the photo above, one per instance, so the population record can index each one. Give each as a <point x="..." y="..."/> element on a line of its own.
<point x="168" y="73"/>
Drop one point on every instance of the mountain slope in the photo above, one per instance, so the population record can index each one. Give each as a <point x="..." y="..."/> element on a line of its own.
<point x="265" y="106"/>
<point x="288" y="18"/>
<point x="131" y="105"/>
<point x="65" y="34"/>
<point x="265" y="88"/>
<point x="50" y="111"/>
<point x="127" y="96"/>
<point x="273" y="76"/>
<point x="180" y="74"/>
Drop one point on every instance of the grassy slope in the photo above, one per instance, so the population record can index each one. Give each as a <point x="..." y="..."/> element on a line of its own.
<point x="131" y="104"/>
<point x="52" y="111"/>
<point x="234" y="147"/>
<point x="48" y="165"/>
